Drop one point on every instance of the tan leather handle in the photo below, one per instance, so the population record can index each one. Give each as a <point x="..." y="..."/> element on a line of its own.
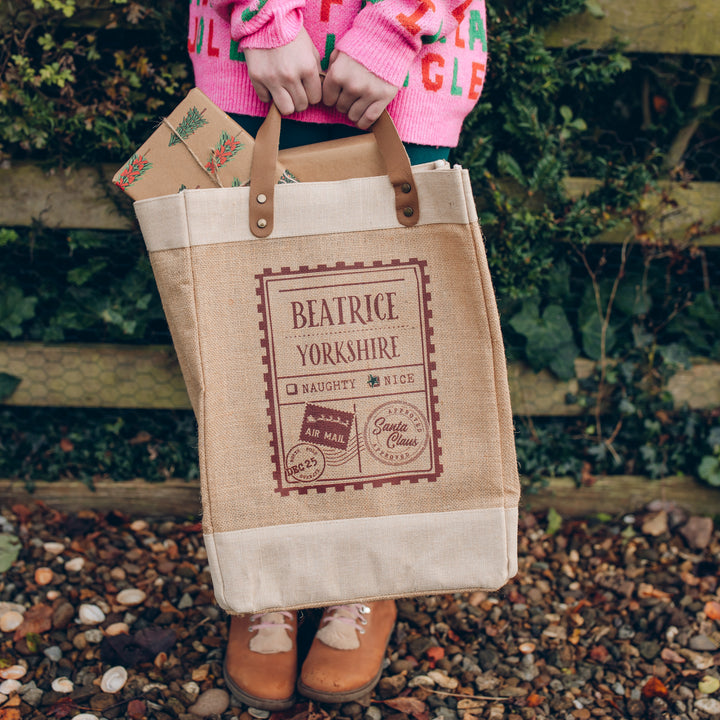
<point x="264" y="162"/>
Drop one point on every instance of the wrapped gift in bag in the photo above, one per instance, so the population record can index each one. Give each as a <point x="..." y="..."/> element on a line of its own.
<point x="341" y="347"/>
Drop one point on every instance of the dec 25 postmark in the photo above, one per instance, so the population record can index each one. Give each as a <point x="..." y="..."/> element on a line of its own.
<point x="304" y="463"/>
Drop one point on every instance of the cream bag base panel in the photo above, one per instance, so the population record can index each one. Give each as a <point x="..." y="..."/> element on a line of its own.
<point x="321" y="564"/>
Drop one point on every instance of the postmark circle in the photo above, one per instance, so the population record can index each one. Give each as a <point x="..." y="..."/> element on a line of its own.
<point x="396" y="433"/>
<point x="304" y="463"/>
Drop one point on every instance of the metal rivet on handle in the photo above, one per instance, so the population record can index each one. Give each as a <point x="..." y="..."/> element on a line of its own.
<point x="406" y="188"/>
<point x="408" y="212"/>
<point x="262" y="223"/>
<point x="262" y="198"/>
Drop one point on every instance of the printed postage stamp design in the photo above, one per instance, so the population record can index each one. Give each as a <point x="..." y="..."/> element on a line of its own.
<point x="350" y="377"/>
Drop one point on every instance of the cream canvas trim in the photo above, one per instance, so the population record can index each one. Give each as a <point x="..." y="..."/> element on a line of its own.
<point x="192" y="217"/>
<point x="342" y="561"/>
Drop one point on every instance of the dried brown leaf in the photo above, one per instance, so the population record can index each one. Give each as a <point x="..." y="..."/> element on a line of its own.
<point x="409" y="706"/>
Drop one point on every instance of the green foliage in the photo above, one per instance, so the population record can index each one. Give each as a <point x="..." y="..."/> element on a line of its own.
<point x="81" y="286"/>
<point x="73" y="89"/>
<point x="86" y="82"/>
<point x="89" y="444"/>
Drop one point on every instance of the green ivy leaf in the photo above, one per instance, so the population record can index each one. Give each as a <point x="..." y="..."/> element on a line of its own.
<point x="709" y="470"/>
<point x="631" y="298"/>
<point x="9" y="550"/>
<point x="704" y="309"/>
<point x="80" y="275"/>
<point x="595" y="9"/>
<point x="8" y="385"/>
<point x="15" y="308"/>
<point x="676" y="354"/>
<point x="591" y="334"/>
<point x="554" y="521"/>
<point x="549" y="338"/>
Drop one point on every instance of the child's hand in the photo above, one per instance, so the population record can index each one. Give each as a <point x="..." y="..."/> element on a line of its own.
<point x="289" y="75"/>
<point x="353" y="89"/>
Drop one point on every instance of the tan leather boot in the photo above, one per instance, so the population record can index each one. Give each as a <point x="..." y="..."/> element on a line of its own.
<point x="345" y="660"/>
<point x="260" y="665"/>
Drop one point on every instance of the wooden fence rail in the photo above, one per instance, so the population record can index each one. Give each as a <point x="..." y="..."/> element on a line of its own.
<point x="72" y="375"/>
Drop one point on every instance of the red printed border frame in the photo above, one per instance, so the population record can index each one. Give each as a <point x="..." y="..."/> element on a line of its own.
<point x="269" y="394"/>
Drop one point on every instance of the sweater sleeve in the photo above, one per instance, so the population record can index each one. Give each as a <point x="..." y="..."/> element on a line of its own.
<point x="261" y="23"/>
<point x="387" y="35"/>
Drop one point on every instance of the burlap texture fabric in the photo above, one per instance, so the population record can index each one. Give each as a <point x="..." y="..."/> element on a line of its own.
<point x="349" y="382"/>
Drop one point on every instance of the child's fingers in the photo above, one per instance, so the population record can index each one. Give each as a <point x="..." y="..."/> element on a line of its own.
<point x="330" y="91"/>
<point x="284" y="101"/>
<point x="262" y="92"/>
<point x="369" y="115"/>
<point x="313" y="87"/>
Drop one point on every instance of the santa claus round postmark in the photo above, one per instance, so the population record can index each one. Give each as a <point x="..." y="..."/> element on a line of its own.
<point x="396" y="433"/>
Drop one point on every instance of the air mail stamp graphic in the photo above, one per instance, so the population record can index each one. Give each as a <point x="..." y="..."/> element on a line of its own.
<point x="326" y="426"/>
<point x="350" y="386"/>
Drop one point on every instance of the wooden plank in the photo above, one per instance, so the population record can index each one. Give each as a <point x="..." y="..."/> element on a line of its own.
<point x="676" y="213"/>
<point x="622" y="493"/>
<point x="172" y="498"/>
<point x="177" y="498"/>
<point x="78" y="198"/>
<point x="102" y="375"/>
<point x="652" y="26"/>
<point x="148" y="377"/>
<point x="85" y="198"/>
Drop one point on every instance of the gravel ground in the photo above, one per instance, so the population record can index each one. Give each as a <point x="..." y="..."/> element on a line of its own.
<point x="107" y="616"/>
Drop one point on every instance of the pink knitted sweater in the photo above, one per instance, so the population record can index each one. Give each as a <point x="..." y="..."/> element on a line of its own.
<point x="435" y="51"/>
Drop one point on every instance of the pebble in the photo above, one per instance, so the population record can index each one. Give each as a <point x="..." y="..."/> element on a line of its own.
<point x="258" y="713"/>
<point x="54" y="548"/>
<point x="118" y="628"/>
<point x="44" y="576"/>
<point x="33" y="696"/>
<point x="62" y="685"/>
<point x="10" y="621"/>
<point x="94" y="636"/>
<point x="212" y="702"/>
<point x="75" y="564"/>
<point x="710" y="706"/>
<point x="421" y="681"/>
<point x="443" y="680"/>
<point x="13" y="672"/>
<point x="192" y="689"/>
<point x="186" y="602"/>
<point x="114" y="679"/>
<point x="698" y="531"/>
<point x="62" y="615"/>
<point x="53" y="653"/>
<point x="11" y="607"/>
<point x="130" y="597"/>
<point x="702" y="643"/>
<point x="85" y="716"/>
<point x="90" y="614"/>
<point x="117" y="573"/>
<point x="8" y="687"/>
<point x="656" y="524"/>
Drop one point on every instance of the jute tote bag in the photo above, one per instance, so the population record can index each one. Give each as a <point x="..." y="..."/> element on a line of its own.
<point x="341" y="348"/>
